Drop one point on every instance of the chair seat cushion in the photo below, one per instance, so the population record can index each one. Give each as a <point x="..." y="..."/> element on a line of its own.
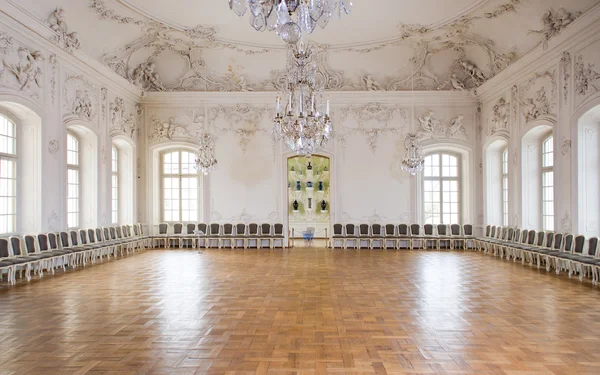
<point x="12" y="261"/>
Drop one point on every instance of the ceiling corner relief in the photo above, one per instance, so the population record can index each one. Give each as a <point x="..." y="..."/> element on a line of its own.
<point x="554" y="22"/>
<point x="372" y="121"/>
<point x="80" y="98"/>
<point x="122" y="123"/>
<point x="67" y="40"/>
<point x="21" y="68"/>
<point x="538" y="96"/>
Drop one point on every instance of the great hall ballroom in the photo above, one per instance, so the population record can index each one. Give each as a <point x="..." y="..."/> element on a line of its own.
<point x="299" y="187"/>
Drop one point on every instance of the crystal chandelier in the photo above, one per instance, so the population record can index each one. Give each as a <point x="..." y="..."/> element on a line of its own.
<point x="278" y="15"/>
<point x="302" y="126"/>
<point x="206" y="161"/>
<point x="413" y="161"/>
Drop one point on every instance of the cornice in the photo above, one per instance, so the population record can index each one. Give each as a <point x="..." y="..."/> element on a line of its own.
<point x="579" y="32"/>
<point x="21" y="23"/>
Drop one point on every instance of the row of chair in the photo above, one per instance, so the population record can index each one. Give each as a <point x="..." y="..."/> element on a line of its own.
<point x="220" y="235"/>
<point x="402" y="236"/>
<point x="49" y="251"/>
<point x="545" y="249"/>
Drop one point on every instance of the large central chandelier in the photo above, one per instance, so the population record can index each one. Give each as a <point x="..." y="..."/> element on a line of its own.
<point x="279" y="15"/>
<point x="206" y="161"/>
<point x="413" y="161"/>
<point x="301" y="125"/>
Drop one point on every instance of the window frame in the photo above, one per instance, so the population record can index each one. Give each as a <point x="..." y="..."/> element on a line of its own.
<point x="14" y="159"/>
<point x="197" y="175"/>
<point x="115" y="170"/>
<point x="77" y="168"/>
<point x="544" y="170"/>
<point x="441" y="179"/>
<point x="504" y="165"/>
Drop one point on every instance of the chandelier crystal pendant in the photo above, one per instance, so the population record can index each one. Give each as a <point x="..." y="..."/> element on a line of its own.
<point x="413" y="161"/>
<point x="279" y="15"/>
<point x="206" y="161"/>
<point x="303" y="127"/>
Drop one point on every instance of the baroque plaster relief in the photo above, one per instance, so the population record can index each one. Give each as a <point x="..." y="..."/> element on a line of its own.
<point x="81" y="98"/>
<point x="376" y="218"/>
<point x="69" y="41"/>
<point x="120" y="122"/>
<point x="500" y="115"/>
<point x="433" y="128"/>
<point x="554" y="22"/>
<point x="242" y="120"/>
<point x="565" y="63"/>
<point x="537" y="97"/>
<point x="167" y="130"/>
<point x="586" y="77"/>
<point x="21" y="67"/>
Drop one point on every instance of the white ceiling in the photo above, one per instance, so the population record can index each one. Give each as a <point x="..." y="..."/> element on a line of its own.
<point x="367" y="42"/>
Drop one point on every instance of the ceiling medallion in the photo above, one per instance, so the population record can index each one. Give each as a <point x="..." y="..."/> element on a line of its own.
<point x="278" y="15"/>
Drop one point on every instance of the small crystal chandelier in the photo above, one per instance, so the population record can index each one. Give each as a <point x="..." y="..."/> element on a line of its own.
<point x="206" y="161"/>
<point x="302" y="126"/>
<point x="276" y="15"/>
<point x="413" y="161"/>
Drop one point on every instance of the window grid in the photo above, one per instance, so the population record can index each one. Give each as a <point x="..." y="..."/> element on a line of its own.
<point x="8" y="176"/>
<point x="548" y="184"/>
<point x="115" y="185"/>
<point x="505" y="188"/>
<point x="441" y="189"/>
<point x="180" y="187"/>
<point x="73" y="182"/>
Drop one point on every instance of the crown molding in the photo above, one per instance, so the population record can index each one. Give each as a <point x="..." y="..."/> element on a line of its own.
<point x="22" y="24"/>
<point x="583" y="31"/>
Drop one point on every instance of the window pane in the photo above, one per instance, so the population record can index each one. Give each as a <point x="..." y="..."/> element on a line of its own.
<point x="8" y="195"/>
<point x="180" y="187"/>
<point x="441" y="195"/>
<point x="72" y="198"/>
<point x="72" y="150"/>
<point x="8" y="139"/>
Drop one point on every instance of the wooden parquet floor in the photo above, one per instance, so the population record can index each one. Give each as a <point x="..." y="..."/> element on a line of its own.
<point x="302" y="311"/>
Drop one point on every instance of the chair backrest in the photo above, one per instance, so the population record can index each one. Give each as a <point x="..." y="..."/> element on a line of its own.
<point x="390" y="230"/>
<point x="53" y="241"/>
<point x="126" y="232"/>
<point x="253" y="229"/>
<point x="442" y="229"/>
<point x="511" y="234"/>
<point x="42" y="242"/>
<point x="428" y="229"/>
<point x="278" y="229"/>
<point x="240" y="229"/>
<point x="517" y="236"/>
<point x="74" y="238"/>
<point x="541" y="236"/>
<point x="455" y="229"/>
<point x="119" y="232"/>
<point x="203" y="227"/>
<point x="338" y="229"/>
<point x="569" y="243"/>
<point x="350" y="229"/>
<point x="376" y="230"/>
<point x="177" y="228"/>
<point x="265" y="229"/>
<point x="228" y="229"/>
<point x="113" y="233"/>
<point x="83" y="237"/>
<point x="141" y="229"/>
<point x="493" y="232"/>
<point x="215" y="229"/>
<point x="403" y="230"/>
<point x="579" y="244"/>
<point x="4" y="253"/>
<point x="190" y="228"/>
<point x="99" y="235"/>
<point x="499" y="232"/>
<point x="363" y="230"/>
<point x="593" y="246"/>
<point x="91" y="236"/>
<point x="136" y="230"/>
<point x="549" y="240"/>
<point x="163" y="228"/>
<point x="64" y="240"/>
<point x="106" y="233"/>
<point x="524" y="236"/>
<point x="488" y="229"/>
<point x="15" y="245"/>
<point x="558" y="241"/>
<point x="468" y="229"/>
<point x="531" y="237"/>
<point x="415" y="229"/>
<point x="29" y="244"/>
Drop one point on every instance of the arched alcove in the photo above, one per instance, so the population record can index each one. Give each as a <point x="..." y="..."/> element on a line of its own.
<point x="588" y="172"/>
<point x="495" y="174"/>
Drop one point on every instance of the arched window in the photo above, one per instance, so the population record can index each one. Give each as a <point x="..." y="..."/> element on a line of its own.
<point x="8" y="176"/>
<point x="441" y="189"/>
<point x="505" y="187"/>
<point x="548" y="183"/>
<point x="179" y="187"/>
<point x="115" y="185"/>
<point x="73" y="181"/>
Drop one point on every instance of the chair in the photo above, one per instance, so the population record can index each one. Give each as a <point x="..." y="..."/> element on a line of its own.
<point x="479" y="240"/>
<point x="468" y="235"/>
<point x="163" y="235"/>
<point x="227" y="235"/>
<point x="351" y="236"/>
<point x="202" y="234"/>
<point x="253" y="235"/>
<point x="21" y="260"/>
<point x="429" y="237"/>
<point x="415" y="235"/>
<point x="583" y="262"/>
<point x="364" y="235"/>
<point x="278" y="235"/>
<point x="442" y="232"/>
<point x="390" y="235"/>
<point x="506" y="242"/>
<point x="10" y="263"/>
<point x="265" y="235"/>
<point x="214" y="234"/>
<point x="189" y="235"/>
<point x="337" y="236"/>
<point x="404" y="235"/>
<point x="177" y="235"/>
<point x="377" y="236"/>
<point x="456" y="237"/>
<point x="240" y="235"/>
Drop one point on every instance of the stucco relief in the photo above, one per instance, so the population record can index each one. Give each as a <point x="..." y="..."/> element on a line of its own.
<point x="242" y="120"/>
<point x="80" y="98"/>
<point x="53" y="221"/>
<point x="500" y="115"/>
<point x="21" y="67"/>
<point x="120" y="122"/>
<point x="69" y="41"/>
<point x="53" y="77"/>
<point x="166" y="130"/>
<point x="554" y="22"/>
<point x="376" y="218"/>
<point x="431" y="127"/>
<point x="566" y="223"/>
<point x="537" y="97"/>
<point x="53" y="146"/>
<point x="244" y="217"/>
<point x="565" y="63"/>
<point x="586" y="77"/>
<point x="565" y="148"/>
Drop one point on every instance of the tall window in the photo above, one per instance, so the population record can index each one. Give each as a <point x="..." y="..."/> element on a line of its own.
<point x="180" y="187"/>
<point x="73" y="181"/>
<point x="8" y="176"/>
<point x="441" y="189"/>
<point x="115" y="185"/>
<point x="505" y="188"/>
<point x="548" y="184"/>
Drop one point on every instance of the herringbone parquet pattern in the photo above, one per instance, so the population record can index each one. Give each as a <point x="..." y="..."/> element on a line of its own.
<point x="302" y="311"/>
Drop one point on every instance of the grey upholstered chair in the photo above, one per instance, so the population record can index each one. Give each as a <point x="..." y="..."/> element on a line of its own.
<point x="240" y="235"/>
